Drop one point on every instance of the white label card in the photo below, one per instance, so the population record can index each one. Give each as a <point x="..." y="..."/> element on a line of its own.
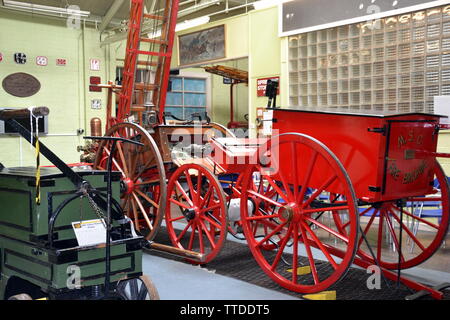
<point x="90" y="232"/>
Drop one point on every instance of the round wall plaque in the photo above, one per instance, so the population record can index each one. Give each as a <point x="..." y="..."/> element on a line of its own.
<point x="21" y="85"/>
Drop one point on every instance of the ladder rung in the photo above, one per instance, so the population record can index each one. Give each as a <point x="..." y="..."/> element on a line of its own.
<point x="143" y="86"/>
<point x="152" y="53"/>
<point x="138" y="107"/>
<point x="144" y="63"/>
<point x="157" y="41"/>
<point x="148" y="63"/>
<point x="152" y="16"/>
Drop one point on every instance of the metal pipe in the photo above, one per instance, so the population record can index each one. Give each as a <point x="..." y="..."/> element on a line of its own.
<point x="177" y="251"/>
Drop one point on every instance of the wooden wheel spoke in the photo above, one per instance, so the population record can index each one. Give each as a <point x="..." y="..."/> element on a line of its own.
<point x="191" y="185"/>
<point x="208" y="235"/>
<point x="317" y="193"/>
<point x="211" y="208"/>
<point x="191" y="238"/>
<point x="206" y="198"/>
<point x="178" y="203"/>
<point x="211" y="221"/>
<point x="256" y="194"/>
<point x="122" y="158"/>
<point x="409" y="232"/>
<point x="143" y="195"/>
<point x="147" y="182"/>
<point x="200" y="239"/>
<point x="135" y="215"/>
<point x="199" y="185"/>
<point x="253" y="218"/>
<point x="281" y="249"/>
<point x="144" y="213"/>
<point x="115" y="163"/>
<point x="295" y="255"/>
<point x="320" y="245"/>
<point x="307" y="177"/>
<point x="394" y="236"/>
<point x="177" y="218"/>
<point x="183" y="232"/>
<point x="316" y="210"/>
<point x="277" y="188"/>
<point x="183" y="193"/>
<point x="268" y="236"/>
<point x="310" y="255"/>
<point x="369" y="224"/>
<point x="380" y="235"/>
<point x="327" y="229"/>
<point x="294" y="169"/>
<point x="143" y="169"/>
<point x="420" y="219"/>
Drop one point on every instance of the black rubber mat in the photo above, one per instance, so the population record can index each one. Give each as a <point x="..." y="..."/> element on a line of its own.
<point x="236" y="261"/>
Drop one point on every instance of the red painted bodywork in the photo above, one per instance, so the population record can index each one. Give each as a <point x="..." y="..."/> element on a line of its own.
<point x="381" y="165"/>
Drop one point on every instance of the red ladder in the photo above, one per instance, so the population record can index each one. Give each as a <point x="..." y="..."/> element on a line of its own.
<point x="160" y="67"/>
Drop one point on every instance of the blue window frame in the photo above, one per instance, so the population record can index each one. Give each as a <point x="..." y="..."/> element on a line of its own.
<point x="188" y="96"/>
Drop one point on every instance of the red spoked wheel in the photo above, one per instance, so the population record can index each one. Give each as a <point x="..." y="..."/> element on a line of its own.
<point x="421" y="235"/>
<point x="295" y="221"/>
<point x="196" y="215"/>
<point x="143" y="181"/>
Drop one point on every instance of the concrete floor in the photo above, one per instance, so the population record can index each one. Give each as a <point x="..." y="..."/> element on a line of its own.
<point x="180" y="281"/>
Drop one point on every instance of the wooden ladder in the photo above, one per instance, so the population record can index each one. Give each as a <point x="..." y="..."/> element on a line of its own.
<point x="160" y="49"/>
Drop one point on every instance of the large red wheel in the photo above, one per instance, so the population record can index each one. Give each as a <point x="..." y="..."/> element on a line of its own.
<point x="196" y="215"/>
<point x="295" y="221"/>
<point x="143" y="181"/>
<point x="421" y="236"/>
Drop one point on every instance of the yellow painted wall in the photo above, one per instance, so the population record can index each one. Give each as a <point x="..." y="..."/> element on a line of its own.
<point x="265" y="56"/>
<point x="236" y="50"/>
<point x="63" y="89"/>
<point x="444" y="146"/>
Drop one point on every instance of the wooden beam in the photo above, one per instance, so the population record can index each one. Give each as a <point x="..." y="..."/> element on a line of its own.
<point x="110" y="14"/>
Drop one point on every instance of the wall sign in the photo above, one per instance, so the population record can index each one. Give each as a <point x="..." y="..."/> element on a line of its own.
<point x="21" y="85"/>
<point x="20" y="58"/>
<point x="1" y="57"/>
<point x="61" y="62"/>
<point x="96" y="104"/>
<point x="41" y="61"/>
<point x="261" y="86"/>
<point x="93" y="81"/>
<point x="95" y="64"/>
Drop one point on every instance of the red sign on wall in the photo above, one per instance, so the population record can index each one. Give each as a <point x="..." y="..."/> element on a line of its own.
<point x="93" y="81"/>
<point x="1" y="57"/>
<point x="261" y="86"/>
<point x="61" y="62"/>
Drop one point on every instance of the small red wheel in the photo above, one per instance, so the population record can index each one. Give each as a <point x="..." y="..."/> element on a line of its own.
<point x="421" y="237"/>
<point x="196" y="215"/>
<point x="296" y="220"/>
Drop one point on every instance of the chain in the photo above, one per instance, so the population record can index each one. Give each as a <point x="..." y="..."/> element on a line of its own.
<point x="95" y="208"/>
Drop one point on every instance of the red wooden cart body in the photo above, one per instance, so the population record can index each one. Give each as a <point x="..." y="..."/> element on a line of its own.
<point x="379" y="152"/>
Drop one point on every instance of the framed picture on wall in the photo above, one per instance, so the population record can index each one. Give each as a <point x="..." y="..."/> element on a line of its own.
<point x="202" y="46"/>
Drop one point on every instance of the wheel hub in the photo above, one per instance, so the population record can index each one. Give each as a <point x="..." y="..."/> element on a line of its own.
<point x="190" y="214"/>
<point x="288" y="213"/>
<point x="126" y="186"/>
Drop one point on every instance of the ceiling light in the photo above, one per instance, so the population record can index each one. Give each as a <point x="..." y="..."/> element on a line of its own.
<point x="192" y="23"/>
<point x="263" y="4"/>
<point x="182" y="26"/>
<point x="35" y="8"/>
